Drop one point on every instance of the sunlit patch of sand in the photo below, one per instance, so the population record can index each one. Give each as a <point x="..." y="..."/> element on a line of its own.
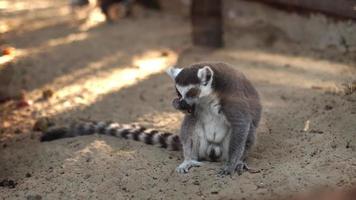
<point x="15" y="6"/>
<point x="18" y="15"/>
<point x="18" y="53"/>
<point x="89" y="84"/>
<point x="28" y="52"/>
<point x="5" y="59"/>
<point x="4" y="28"/>
<point x="97" y="149"/>
<point x="75" y="37"/>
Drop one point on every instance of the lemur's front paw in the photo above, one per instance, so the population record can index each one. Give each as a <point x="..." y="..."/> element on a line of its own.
<point x="186" y="165"/>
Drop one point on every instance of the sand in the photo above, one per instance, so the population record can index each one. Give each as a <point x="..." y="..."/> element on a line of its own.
<point x="307" y="137"/>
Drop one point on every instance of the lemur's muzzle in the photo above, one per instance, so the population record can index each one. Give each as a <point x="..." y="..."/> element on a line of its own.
<point x="181" y="104"/>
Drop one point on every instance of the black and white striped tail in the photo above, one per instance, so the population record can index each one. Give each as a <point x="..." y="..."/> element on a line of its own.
<point x="126" y="131"/>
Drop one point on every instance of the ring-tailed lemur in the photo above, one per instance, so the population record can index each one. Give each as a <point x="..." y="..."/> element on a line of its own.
<point x="222" y="113"/>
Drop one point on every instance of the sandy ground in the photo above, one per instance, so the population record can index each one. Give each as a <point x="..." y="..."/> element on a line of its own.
<point x="307" y="137"/>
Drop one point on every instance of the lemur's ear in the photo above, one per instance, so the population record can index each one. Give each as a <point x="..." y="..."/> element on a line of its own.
<point x="173" y="72"/>
<point x="205" y="75"/>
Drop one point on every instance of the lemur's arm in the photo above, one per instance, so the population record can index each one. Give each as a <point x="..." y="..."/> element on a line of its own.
<point x="236" y="112"/>
<point x="190" y="149"/>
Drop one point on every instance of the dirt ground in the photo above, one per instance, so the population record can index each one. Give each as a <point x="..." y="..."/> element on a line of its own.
<point x="307" y="138"/>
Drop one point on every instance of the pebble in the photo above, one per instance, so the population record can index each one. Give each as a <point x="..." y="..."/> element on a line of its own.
<point x="328" y="107"/>
<point x="46" y="94"/>
<point x="8" y="183"/>
<point x="42" y="124"/>
<point x="261" y="185"/>
<point x="34" y="197"/>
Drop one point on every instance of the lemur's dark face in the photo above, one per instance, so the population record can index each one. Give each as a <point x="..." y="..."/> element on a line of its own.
<point x="191" y="85"/>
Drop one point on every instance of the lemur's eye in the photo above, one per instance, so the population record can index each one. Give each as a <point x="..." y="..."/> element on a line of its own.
<point x="194" y="92"/>
<point x="179" y="95"/>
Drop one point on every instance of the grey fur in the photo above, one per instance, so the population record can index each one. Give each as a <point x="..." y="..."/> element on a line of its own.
<point x="223" y="125"/>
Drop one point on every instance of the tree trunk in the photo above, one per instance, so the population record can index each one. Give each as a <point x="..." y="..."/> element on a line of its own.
<point x="206" y="16"/>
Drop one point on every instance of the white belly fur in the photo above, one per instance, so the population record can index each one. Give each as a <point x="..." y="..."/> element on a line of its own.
<point x="213" y="131"/>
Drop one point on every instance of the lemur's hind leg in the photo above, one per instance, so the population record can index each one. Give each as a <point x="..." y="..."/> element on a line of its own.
<point x="251" y="138"/>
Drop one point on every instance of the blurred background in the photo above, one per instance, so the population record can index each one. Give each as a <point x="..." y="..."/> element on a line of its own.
<point x="68" y="60"/>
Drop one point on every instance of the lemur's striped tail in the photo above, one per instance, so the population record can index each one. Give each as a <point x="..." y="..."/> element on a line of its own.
<point x="126" y="131"/>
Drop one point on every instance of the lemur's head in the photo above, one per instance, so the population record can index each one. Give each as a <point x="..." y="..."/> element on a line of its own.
<point x="191" y="84"/>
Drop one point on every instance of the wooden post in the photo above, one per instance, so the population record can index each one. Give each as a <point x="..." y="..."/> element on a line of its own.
<point x="206" y="16"/>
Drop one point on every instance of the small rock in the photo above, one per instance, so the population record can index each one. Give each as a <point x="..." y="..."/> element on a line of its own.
<point x="214" y="192"/>
<point x="328" y="107"/>
<point x="42" y="124"/>
<point x="284" y="98"/>
<point x="316" y="131"/>
<point x="348" y="144"/>
<point x="8" y="183"/>
<point x="46" y="94"/>
<point x="34" y="197"/>
<point x="261" y="185"/>
<point x="8" y="51"/>
<point x="164" y="53"/>
<point x="196" y="182"/>
<point x="28" y="175"/>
